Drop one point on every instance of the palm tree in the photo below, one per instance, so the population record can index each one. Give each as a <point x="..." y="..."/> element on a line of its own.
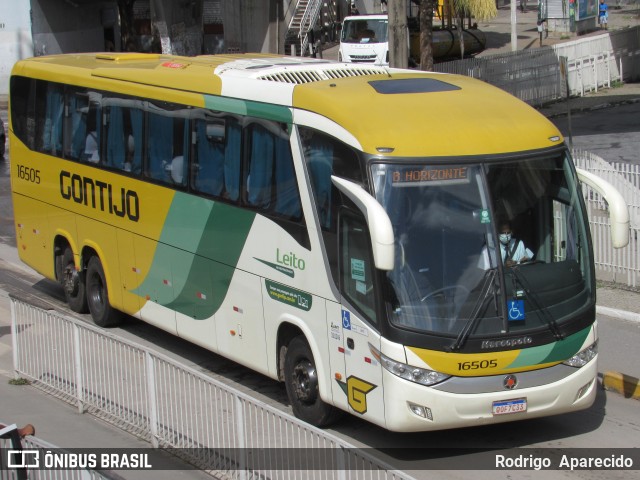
<point x="479" y="9"/>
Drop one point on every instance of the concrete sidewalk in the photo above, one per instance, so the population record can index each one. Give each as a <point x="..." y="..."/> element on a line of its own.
<point x="60" y="424"/>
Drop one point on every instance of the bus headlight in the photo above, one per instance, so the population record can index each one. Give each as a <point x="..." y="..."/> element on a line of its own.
<point x="583" y="357"/>
<point x="408" y="372"/>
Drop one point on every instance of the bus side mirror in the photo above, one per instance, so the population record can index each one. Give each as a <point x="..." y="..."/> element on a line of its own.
<point x="378" y="221"/>
<point x="618" y="211"/>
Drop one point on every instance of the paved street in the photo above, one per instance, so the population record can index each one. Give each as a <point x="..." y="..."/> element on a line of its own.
<point x="61" y="424"/>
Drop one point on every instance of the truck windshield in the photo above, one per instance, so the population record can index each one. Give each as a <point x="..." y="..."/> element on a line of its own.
<point x="365" y="31"/>
<point x="453" y="253"/>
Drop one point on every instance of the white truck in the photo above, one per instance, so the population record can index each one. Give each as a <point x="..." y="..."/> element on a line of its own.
<point x="364" y="39"/>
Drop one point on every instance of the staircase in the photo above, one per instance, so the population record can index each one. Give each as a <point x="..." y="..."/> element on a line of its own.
<point x="304" y="17"/>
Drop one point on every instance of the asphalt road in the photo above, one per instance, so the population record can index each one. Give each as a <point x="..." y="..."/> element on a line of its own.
<point x="611" y="422"/>
<point x="611" y="133"/>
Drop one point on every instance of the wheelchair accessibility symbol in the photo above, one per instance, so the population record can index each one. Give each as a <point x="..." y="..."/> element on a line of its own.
<point x="516" y="309"/>
<point x="346" y="320"/>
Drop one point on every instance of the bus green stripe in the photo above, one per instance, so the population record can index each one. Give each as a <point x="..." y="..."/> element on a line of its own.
<point x="532" y="356"/>
<point x="268" y="111"/>
<point x="199" y="260"/>
<point x="567" y="348"/>
<point x="553" y="352"/>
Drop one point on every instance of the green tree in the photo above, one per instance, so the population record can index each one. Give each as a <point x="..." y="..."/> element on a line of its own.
<point x="479" y="9"/>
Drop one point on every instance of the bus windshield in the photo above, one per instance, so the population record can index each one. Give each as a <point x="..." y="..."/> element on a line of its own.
<point x="365" y="31"/>
<point x="448" y="219"/>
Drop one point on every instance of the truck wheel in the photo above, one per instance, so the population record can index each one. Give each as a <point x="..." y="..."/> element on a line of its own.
<point x="72" y="282"/>
<point x="103" y="314"/>
<point x="301" y="380"/>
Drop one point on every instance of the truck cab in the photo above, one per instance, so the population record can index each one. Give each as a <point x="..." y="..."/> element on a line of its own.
<point x="364" y="39"/>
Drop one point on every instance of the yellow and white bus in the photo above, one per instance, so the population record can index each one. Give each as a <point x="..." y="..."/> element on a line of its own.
<point x="332" y="226"/>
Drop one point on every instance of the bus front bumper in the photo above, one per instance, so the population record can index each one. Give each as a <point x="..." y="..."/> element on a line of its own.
<point x="410" y="407"/>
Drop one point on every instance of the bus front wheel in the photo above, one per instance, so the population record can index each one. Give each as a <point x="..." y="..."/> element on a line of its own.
<point x="301" y="380"/>
<point x="103" y="314"/>
<point x="73" y="283"/>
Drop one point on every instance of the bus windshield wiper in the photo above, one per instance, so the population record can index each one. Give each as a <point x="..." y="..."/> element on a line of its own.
<point x="531" y="295"/>
<point x="485" y="291"/>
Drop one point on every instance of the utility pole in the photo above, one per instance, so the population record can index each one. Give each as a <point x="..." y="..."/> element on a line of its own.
<point x="514" y="33"/>
<point x="398" y="34"/>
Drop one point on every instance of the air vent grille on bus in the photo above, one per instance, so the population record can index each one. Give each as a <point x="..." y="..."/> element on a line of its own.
<point x="299" y="76"/>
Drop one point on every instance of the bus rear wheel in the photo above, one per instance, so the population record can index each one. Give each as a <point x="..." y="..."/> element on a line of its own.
<point x="301" y="380"/>
<point x="73" y="283"/>
<point x="103" y="314"/>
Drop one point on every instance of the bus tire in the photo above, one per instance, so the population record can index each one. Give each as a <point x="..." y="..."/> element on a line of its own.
<point x="103" y="314"/>
<point x="301" y="381"/>
<point x="73" y="283"/>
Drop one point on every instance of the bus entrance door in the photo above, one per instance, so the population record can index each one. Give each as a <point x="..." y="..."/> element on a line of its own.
<point x="363" y="382"/>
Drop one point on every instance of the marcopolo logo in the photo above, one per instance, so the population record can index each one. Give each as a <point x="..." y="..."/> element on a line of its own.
<point x="507" y="342"/>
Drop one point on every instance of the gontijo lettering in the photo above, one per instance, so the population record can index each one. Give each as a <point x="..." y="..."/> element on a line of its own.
<point x="99" y="195"/>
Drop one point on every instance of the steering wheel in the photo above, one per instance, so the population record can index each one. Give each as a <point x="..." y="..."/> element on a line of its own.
<point x="462" y="289"/>
<point x="529" y="262"/>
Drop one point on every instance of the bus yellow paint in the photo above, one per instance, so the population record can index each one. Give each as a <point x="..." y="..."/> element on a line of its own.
<point x="473" y="364"/>
<point x="443" y="123"/>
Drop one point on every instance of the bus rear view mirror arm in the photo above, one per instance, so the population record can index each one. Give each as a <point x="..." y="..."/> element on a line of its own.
<point x="618" y="211"/>
<point x="378" y="221"/>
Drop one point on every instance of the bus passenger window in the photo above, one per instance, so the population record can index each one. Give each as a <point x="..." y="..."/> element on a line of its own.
<point x="168" y="140"/>
<point x="319" y="156"/>
<point x="115" y="151"/>
<point x="124" y="135"/>
<point x="78" y="110"/>
<point x="232" y="160"/>
<point x="177" y="169"/>
<point x="160" y="146"/>
<point x="209" y="162"/>
<point x="260" y="171"/>
<point x="133" y="163"/>
<point x="23" y="92"/>
<point x="92" y="130"/>
<point x="50" y="108"/>
<point x="287" y="195"/>
<point x="326" y="156"/>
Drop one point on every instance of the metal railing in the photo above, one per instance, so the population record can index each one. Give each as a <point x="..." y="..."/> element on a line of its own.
<point x="212" y="425"/>
<point x="309" y="19"/>
<point x="12" y="441"/>
<point x="534" y="75"/>
<point x="531" y="75"/>
<point x="619" y="265"/>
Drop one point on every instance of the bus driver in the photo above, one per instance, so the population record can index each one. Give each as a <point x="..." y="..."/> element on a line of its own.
<point x="513" y="251"/>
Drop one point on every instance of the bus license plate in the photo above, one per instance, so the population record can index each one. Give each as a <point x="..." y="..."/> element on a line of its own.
<point x="504" y="407"/>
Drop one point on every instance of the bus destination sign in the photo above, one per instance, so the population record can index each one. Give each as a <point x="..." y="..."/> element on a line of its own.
<point x="429" y="174"/>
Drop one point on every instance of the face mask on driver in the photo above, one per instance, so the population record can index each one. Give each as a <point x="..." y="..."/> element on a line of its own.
<point x="505" y="238"/>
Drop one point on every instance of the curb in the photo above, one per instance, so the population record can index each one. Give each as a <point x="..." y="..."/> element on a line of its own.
<point x="615" y="313"/>
<point x="586" y="108"/>
<point x="623" y="384"/>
